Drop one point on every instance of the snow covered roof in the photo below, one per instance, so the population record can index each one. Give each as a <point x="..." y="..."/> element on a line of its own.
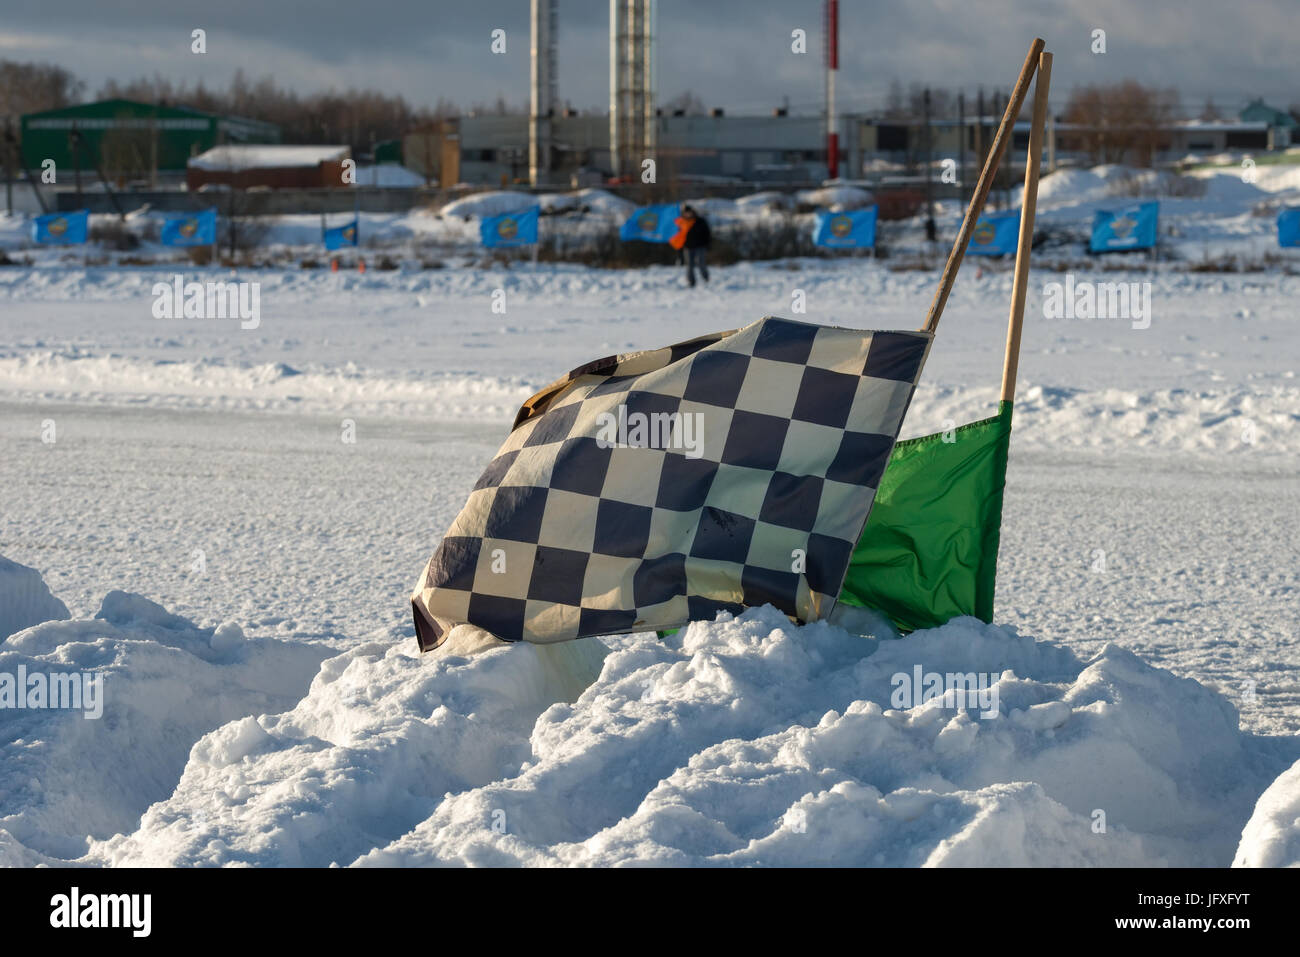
<point x="267" y="157"/>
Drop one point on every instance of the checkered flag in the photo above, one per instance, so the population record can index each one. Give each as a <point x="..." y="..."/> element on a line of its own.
<point x="647" y="490"/>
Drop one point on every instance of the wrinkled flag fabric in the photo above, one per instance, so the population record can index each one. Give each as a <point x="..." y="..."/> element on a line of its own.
<point x="647" y="490"/>
<point x="929" y="552"/>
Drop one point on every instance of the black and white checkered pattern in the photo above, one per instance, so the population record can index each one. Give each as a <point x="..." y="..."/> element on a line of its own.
<point x="565" y="537"/>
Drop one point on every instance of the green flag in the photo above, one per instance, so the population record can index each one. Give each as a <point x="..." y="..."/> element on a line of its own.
<point x="929" y="551"/>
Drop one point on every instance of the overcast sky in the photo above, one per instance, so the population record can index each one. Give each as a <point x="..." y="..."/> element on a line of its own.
<point x="730" y="53"/>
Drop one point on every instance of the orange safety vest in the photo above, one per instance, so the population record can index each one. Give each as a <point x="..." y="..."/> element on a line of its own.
<point x="683" y="227"/>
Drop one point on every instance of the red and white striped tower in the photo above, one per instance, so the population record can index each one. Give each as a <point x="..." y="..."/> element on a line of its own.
<point x="832" y="65"/>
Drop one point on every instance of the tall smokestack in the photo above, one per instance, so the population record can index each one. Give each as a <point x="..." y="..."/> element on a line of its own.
<point x="832" y="65"/>
<point x="542" y="101"/>
<point x="631" y="84"/>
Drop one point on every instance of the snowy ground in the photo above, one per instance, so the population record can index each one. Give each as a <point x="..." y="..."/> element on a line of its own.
<point x="1148" y="539"/>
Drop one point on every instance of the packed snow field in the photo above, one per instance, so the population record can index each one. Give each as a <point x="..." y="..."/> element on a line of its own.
<point x="185" y="519"/>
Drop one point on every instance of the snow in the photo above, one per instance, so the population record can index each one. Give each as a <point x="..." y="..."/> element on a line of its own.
<point x="489" y="203"/>
<point x="498" y="202"/>
<point x="25" y="599"/>
<point x="368" y="753"/>
<point x="1271" y="837"/>
<point x="763" y="201"/>
<point x="836" y="197"/>
<point x="389" y="175"/>
<point x="67" y="777"/>
<point x="267" y="157"/>
<point x="744" y="741"/>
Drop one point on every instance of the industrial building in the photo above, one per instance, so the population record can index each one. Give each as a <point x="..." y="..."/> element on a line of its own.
<point x="771" y="149"/>
<point x="130" y="140"/>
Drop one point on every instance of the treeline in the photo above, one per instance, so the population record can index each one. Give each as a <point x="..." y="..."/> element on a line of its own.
<point x="31" y="87"/>
<point x="353" y="117"/>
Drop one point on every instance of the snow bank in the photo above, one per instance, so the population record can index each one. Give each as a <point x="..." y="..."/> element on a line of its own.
<point x="490" y="203"/>
<point x="751" y="741"/>
<point x="1273" y="178"/>
<point x="743" y="741"/>
<point x="1069" y="186"/>
<point x="158" y="683"/>
<point x="382" y="736"/>
<point x="1242" y="421"/>
<point x="215" y="384"/>
<point x="763" y="202"/>
<point x="25" y="600"/>
<point x="496" y="202"/>
<point x="588" y="200"/>
<point x="1271" y="837"/>
<point x="836" y="197"/>
<point x="389" y="175"/>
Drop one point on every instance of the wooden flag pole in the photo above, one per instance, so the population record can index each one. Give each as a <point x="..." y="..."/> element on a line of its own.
<point x="1028" y="207"/>
<point x="981" y="193"/>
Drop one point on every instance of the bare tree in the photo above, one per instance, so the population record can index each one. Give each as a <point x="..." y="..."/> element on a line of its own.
<point x="352" y="117"/>
<point x="33" y="87"/>
<point x="1121" y="122"/>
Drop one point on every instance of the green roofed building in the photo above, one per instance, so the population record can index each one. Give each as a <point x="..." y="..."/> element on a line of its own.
<point x="129" y="139"/>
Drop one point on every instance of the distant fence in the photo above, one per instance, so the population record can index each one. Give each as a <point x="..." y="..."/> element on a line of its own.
<point x="285" y="202"/>
<point x="279" y="202"/>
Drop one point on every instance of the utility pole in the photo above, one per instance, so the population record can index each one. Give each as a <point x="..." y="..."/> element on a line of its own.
<point x="9" y="166"/>
<point x="930" y="232"/>
<point x="961" y="146"/>
<point x="832" y="66"/>
<point x="979" y="130"/>
<point x="74" y="141"/>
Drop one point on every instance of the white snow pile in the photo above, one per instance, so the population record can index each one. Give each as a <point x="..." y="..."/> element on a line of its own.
<point x="1272" y="835"/>
<point x="836" y="198"/>
<point x="137" y="687"/>
<point x="497" y="202"/>
<point x="24" y="599"/>
<point x="764" y="201"/>
<point x="488" y="203"/>
<point x="743" y="741"/>
<point x="367" y="755"/>
<point x="590" y="200"/>
<point x="388" y="175"/>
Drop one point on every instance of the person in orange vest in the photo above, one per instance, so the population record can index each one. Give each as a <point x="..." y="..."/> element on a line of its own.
<point x="693" y="236"/>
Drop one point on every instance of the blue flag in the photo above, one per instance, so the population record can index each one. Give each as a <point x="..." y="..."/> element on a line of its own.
<point x="1288" y="227"/>
<point x="1133" y="227"/>
<point x="62" y="229"/>
<point x="197" y="229"/>
<point x="995" y="234"/>
<point x="340" y="236"/>
<point x="855" y="229"/>
<point x="510" y="229"/>
<point x="651" y="224"/>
